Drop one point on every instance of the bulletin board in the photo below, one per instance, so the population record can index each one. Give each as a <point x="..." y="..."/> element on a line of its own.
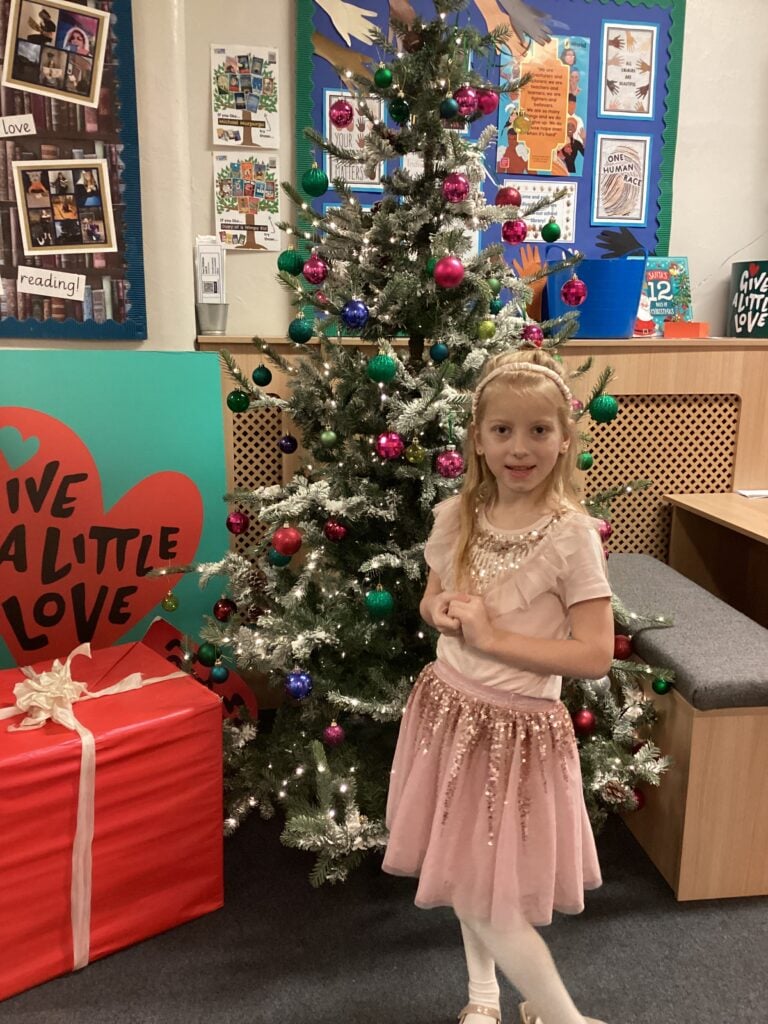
<point x="71" y="257"/>
<point x="608" y="80"/>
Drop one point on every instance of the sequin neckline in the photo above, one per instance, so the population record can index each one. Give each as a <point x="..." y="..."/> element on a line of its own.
<point x="495" y="551"/>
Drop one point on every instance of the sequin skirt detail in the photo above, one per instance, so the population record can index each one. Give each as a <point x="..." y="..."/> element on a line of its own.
<point x="485" y="802"/>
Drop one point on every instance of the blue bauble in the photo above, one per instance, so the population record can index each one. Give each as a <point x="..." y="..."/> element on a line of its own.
<point x="439" y="351"/>
<point x="219" y="674"/>
<point x="288" y="444"/>
<point x="355" y="314"/>
<point x="276" y="559"/>
<point x="298" y="684"/>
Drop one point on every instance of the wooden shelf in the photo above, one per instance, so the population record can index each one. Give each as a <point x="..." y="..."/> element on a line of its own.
<point x="645" y="345"/>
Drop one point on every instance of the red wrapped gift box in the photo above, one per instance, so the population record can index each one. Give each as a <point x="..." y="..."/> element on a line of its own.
<point x="157" y="849"/>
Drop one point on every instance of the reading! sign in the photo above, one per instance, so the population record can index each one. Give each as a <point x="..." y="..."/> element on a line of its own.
<point x="748" y="306"/>
<point x="71" y="570"/>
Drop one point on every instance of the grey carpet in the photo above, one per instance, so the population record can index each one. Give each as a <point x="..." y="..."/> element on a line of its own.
<point x="281" y="952"/>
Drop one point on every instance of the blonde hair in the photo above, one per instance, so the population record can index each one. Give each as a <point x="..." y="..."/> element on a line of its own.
<point x="479" y="483"/>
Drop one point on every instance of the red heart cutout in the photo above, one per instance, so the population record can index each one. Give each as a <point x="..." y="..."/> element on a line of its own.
<point x="70" y="571"/>
<point x="753" y="269"/>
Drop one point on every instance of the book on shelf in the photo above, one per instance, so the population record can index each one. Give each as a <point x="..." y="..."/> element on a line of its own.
<point x="666" y="295"/>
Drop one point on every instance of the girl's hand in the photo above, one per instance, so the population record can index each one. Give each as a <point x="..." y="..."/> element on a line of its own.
<point x="473" y="618"/>
<point x="444" y="622"/>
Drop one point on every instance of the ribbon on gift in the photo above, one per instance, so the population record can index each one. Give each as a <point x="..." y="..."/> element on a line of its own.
<point x="50" y="696"/>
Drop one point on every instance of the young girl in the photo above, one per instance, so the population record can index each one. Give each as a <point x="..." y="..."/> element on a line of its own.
<point x="485" y="802"/>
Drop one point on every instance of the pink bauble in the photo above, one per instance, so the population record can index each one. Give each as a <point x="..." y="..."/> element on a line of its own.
<point x="341" y="114"/>
<point x="450" y="463"/>
<point x="321" y="298"/>
<point x="334" y="530"/>
<point x="534" y="334"/>
<point x="333" y="735"/>
<point x="605" y="529"/>
<point x="508" y="196"/>
<point x="577" y="405"/>
<point x="315" y="270"/>
<point x="449" y="272"/>
<point x="487" y="101"/>
<point x="514" y="231"/>
<point x="237" y="522"/>
<point x="466" y="97"/>
<point x="573" y="292"/>
<point x="286" y="540"/>
<point x="455" y="187"/>
<point x="390" y="445"/>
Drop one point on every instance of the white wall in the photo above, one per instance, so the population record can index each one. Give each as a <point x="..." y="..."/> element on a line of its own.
<point x="720" y="203"/>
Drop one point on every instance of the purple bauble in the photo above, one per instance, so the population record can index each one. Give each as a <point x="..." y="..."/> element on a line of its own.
<point x="514" y="231"/>
<point x="333" y="735"/>
<point x="534" y="334"/>
<point x="487" y="101"/>
<point x="341" y="114"/>
<point x="577" y="406"/>
<point x="355" y="314"/>
<point x="573" y="292"/>
<point x="449" y="272"/>
<point x="224" y="609"/>
<point x="605" y="529"/>
<point x="298" y="684"/>
<point x="238" y="522"/>
<point x="455" y="187"/>
<point x="450" y="463"/>
<point x="390" y="445"/>
<point x="288" y="444"/>
<point x="466" y="97"/>
<point x="315" y="270"/>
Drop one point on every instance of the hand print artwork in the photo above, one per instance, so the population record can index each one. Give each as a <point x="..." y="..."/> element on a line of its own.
<point x="628" y="70"/>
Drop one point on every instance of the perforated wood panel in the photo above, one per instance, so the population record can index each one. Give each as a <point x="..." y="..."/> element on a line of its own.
<point x="682" y="443"/>
<point x="256" y="459"/>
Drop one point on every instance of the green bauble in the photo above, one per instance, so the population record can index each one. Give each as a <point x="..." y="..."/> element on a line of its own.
<point x="383" y="77"/>
<point x="379" y="603"/>
<point x="329" y="438"/>
<point x="495" y="285"/>
<point x="603" y="409"/>
<point x="496" y="305"/>
<point x="170" y="602"/>
<point x="399" y="110"/>
<point x="261" y="376"/>
<point x="207" y="654"/>
<point x="382" y="369"/>
<point x="415" y="454"/>
<point x="314" y="182"/>
<point x="238" y="401"/>
<point x="276" y="559"/>
<point x="449" y="108"/>
<point x="300" y="330"/>
<point x="661" y="685"/>
<point x="486" y="329"/>
<point x="551" y="231"/>
<point x="431" y="264"/>
<point x="584" y="460"/>
<point x="290" y="261"/>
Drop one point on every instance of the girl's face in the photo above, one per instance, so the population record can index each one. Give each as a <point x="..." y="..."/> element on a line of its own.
<point x="521" y="440"/>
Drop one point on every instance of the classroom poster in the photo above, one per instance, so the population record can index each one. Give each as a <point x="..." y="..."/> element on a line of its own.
<point x="620" y="190"/>
<point x="246" y="200"/>
<point x="533" y="190"/>
<point x="353" y="136"/>
<point x="627" y="70"/>
<point x="244" y="96"/>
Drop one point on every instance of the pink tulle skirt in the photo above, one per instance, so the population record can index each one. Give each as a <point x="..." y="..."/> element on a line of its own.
<point x="486" y="805"/>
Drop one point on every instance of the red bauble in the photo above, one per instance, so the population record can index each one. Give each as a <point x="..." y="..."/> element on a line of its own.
<point x="639" y="795"/>
<point x="315" y="270"/>
<point x="534" y="334"/>
<point x="341" y="114"/>
<point x="622" y="647"/>
<point x="514" y="231"/>
<point x="576" y="405"/>
<point x="321" y="298"/>
<point x="334" y="530"/>
<point x="584" y="722"/>
<point x="450" y="463"/>
<point x="508" y="196"/>
<point x="487" y="101"/>
<point x="449" y="272"/>
<point x="286" y="540"/>
<point x="238" y="522"/>
<point x="455" y="187"/>
<point x="605" y="529"/>
<point x="333" y="735"/>
<point x="573" y="292"/>
<point x="466" y="97"/>
<point x="224" y="609"/>
<point x="390" y="445"/>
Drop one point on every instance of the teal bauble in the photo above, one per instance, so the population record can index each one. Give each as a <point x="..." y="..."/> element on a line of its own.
<point x="314" y="182"/>
<point x="496" y="305"/>
<point x="291" y="261"/>
<point x="603" y="409"/>
<point x="379" y="603"/>
<point x="439" y="351"/>
<point x="382" y="77"/>
<point x="495" y="285"/>
<point x="399" y="110"/>
<point x="300" y="330"/>
<point x="207" y="654"/>
<point x="382" y="369"/>
<point x="449" y="108"/>
<point x="238" y="401"/>
<point x="261" y="376"/>
<point x="276" y="559"/>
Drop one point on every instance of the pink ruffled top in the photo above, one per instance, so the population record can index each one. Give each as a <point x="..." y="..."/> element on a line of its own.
<point x="567" y="566"/>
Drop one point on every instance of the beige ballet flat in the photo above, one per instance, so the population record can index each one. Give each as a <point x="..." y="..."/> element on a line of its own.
<point x="485" y="1011"/>
<point x="526" y="1018"/>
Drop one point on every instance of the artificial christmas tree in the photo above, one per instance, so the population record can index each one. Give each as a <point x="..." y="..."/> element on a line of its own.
<point x="338" y="550"/>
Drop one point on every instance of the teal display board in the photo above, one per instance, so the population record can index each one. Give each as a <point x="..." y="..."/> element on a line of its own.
<point x="111" y="463"/>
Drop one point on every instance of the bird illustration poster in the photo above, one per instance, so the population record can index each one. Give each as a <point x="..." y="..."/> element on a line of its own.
<point x="246" y="200"/>
<point x="245" y="96"/>
<point x="627" y="70"/>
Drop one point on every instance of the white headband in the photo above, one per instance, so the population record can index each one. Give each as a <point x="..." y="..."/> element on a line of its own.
<point x="519" y="368"/>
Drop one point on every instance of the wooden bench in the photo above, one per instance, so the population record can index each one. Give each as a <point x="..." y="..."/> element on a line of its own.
<point x="706" y="827"/>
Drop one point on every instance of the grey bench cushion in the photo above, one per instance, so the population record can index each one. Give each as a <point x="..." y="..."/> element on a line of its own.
<point x="720" y="656"/>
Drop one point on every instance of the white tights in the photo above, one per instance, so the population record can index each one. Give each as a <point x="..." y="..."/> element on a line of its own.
<point x="523" y="956"/>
